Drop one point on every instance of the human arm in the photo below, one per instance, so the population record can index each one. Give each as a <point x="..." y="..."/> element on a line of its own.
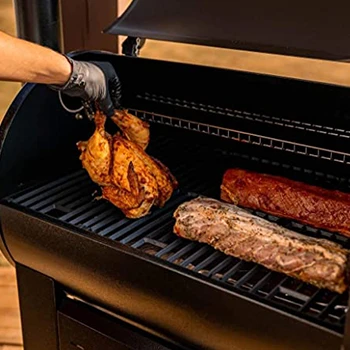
<point x="24" y="61"/>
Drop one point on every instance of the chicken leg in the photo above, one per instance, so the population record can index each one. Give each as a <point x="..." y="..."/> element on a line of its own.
<point x="96" y="152"/>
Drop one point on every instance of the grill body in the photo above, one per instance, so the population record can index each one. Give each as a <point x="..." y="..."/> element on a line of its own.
<point x="87" y="276"/>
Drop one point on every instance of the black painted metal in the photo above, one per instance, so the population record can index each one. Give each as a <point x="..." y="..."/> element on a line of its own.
<point x="177" y="305"/>
<point x="37" y="299"/>
<point x="346" y="341"/>
<point x="309" y="29"/>
<point x="83" y="326"/>
<point x="39" y="21"/>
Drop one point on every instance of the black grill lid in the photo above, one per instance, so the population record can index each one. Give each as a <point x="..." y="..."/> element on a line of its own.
<point x="311" y="28"/>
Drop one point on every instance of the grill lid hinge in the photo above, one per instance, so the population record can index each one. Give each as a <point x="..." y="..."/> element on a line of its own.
<point x="132" y="45"/>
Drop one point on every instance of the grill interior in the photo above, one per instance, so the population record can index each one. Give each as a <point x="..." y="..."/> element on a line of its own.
<point x="198" y="166"/>
<point x="274" y="132"/>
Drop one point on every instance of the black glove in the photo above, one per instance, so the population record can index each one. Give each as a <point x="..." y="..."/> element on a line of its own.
<point x="95" y="82"/>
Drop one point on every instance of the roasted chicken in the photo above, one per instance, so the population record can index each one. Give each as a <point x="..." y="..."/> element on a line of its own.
<point x="129" y="178"/>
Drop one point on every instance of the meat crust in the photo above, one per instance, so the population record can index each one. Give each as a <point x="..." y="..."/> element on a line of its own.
<point x="311" y="205"/>
<point x="95" y="153"/>
<point x="133" y="128"/>
<point x="238" y="233"/>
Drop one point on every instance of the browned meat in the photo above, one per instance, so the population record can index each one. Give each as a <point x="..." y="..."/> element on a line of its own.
<point x="282" y="197"/>
<point x="130" y="179"/>
<point x="238" y="233"/>
<point x="95" y="153"/>
<point x="133" y="128"/>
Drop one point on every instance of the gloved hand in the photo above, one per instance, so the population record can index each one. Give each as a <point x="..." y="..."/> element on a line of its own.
<point x="95" y="82"/>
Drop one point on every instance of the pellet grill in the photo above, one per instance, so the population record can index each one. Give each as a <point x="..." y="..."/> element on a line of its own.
<point x="88" y="278"/>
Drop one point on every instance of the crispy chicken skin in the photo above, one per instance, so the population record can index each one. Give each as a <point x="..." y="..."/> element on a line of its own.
<point x="130" y="179"/>
<point x="133" y="128"/>
<point x="126" y="198"/>
<point x="96" y="152"/>
<point x="165" y="181"/>
<point x="123" y="155"/>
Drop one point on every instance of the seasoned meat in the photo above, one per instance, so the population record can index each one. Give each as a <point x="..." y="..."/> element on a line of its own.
<point x="154" y="182"/>
<point x="133" y="128"/>
<point x="238" y="233"/>
<point x="130" y="179"/>
<point x="128" y="197"/>
<point x="311" y="205"/>
<point x="96" y="152"/>
<point x="165" y="181"/>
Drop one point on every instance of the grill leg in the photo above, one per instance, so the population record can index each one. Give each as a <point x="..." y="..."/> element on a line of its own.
<point x="346" y="340"/>
<point x="38" y="310"/>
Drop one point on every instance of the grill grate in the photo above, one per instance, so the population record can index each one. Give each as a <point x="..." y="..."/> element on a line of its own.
<point x="249" y="137"/>
<point x="71" y="200"/>
<point x="256" y="117"/>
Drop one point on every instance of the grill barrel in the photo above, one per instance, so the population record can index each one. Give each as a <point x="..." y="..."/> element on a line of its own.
<point x="184" y="294"/>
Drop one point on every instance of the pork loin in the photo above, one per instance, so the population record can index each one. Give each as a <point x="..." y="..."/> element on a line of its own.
<point x="238" y="233"/>
<point x="311" y="205"/>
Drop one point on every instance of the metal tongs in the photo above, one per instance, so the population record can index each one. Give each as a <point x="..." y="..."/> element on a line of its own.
<point x="89" y="110"/>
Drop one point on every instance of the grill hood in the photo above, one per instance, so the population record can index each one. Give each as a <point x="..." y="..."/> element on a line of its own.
<point x="310" y="29"/>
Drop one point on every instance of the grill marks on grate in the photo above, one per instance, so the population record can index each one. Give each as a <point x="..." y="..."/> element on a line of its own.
<point x="70" y="199"/>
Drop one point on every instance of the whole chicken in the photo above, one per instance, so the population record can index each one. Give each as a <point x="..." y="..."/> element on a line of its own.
<point x="130" y="179"/>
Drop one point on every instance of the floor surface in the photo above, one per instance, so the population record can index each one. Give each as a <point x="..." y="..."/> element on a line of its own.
<point x="10" y="324"/>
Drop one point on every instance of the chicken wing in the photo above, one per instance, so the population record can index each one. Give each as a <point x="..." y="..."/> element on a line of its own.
<point x="133" y="128"/>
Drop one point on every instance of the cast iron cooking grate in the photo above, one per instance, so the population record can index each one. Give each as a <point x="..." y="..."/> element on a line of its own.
<point x="70" y="199"/>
